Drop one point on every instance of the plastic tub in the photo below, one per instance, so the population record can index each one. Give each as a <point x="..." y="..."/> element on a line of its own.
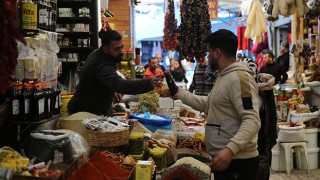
<point x="312" y="157"/>
<point x="312" y="136"/>
<point x="280" y="166"/>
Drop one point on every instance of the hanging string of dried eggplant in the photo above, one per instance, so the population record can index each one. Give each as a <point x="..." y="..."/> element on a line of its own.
<point x="194" y="28"/>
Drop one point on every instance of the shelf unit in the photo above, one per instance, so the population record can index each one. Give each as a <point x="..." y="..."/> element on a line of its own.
<point x="74" y="37"/>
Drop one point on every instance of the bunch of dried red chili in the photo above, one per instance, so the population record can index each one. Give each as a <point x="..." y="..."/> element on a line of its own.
<point x="9" y="33"/>
<point x="100" y="167"/>
<point x="170" y="36"/>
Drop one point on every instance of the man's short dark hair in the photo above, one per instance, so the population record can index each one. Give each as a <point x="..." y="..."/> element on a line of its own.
<point x="225" y="40"/>
<point x="285" y="44"/>
<point x="108" y="36"/>
<point x="151" y="59"/>
<point x="270" y="54"/>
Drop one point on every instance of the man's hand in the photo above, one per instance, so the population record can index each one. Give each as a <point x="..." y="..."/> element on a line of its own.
<point x="117" y="97"/>
<point x="222" y="160"/>
<point x="157" y="80"/>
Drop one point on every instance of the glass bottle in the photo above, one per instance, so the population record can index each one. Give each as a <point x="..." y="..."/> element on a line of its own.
<point x="25" y="102"/>
<point x="38" y="99"/>
<point x="14" y="102"/>
<point x="49" y="9"/>
<point x="47" y="106"/>
<point x="45" y="15"/>
<point x="171" y="83"/>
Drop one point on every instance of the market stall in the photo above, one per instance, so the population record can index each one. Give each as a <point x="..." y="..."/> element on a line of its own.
<point x="150" y="135"/>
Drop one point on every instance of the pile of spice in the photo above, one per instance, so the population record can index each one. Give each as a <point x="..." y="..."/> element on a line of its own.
<point x="100" y="167"/>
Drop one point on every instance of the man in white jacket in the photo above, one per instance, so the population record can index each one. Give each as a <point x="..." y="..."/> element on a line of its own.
<point x="233" y="111"/>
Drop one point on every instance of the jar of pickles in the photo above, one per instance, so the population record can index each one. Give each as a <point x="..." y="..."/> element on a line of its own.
<point x="136" y="143"/>
<point x="158" y="155"/>
<point x="164" y="155"/>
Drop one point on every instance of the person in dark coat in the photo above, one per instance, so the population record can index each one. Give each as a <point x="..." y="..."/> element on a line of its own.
<point x="99" y="80"/>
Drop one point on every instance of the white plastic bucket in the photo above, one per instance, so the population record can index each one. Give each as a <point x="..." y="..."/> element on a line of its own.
<point x="312" y="137"/>
<point x="280" y="166"/>
<point x="312" y="158"/>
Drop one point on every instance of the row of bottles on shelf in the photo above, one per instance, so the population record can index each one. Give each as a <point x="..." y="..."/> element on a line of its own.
<point x="38" y="14"/>
<point x="31" y="101"/>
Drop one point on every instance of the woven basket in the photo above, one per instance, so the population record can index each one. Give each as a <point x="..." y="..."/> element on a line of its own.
<point x="107" y="139"/>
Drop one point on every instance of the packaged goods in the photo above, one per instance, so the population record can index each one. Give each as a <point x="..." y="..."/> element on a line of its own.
<point x="144" y="170"/>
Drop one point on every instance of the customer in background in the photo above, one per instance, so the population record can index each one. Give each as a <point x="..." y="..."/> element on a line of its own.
<point x="159" y="58"/>
<point x="153" y="70"/>
<point x="233" y="111"/>
<point x="177" y="71"/>
<point x="203" y="79"/>
<point x="99" y="80"/>
<point x="283" y="59"/>
<point x="273" y="68"/>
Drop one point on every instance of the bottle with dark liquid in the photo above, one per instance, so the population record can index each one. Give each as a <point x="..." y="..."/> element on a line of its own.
<point x="25" y="102"/>
<point x="38" y="100"/>
<point x="56" y="101"/>
<point x="47" y="101"/>
<point x="14" y="102"/>
<point x="173" y="88"/>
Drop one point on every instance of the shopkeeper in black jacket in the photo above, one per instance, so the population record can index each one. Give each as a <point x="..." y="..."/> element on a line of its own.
<point x="99" y="81"/>
<point x="273" y="68"/>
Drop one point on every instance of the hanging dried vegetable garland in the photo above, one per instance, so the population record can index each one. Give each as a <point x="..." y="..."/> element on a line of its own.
<point x="170" y="37"/>
<point x="8" y="46"/>
<point x="194" y="28"/>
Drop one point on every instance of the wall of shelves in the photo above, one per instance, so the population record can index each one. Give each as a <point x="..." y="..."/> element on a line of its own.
<point x="80" y="32"/>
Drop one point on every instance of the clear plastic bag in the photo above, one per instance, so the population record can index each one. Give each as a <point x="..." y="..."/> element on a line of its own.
<point x="165" y="134"/>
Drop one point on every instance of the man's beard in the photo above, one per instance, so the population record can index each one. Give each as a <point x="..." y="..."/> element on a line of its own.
<point x="214" y="65"/>
<point x="118" y="58"/>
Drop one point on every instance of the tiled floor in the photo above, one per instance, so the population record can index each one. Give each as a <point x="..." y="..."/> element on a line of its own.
<point x="296" y="175"/>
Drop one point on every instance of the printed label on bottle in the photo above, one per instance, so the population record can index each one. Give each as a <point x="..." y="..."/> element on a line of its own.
<point x="41" y="105"/>
<point x="45" y="17"/>
<point x="57" y="102"/>
<point x="50" y="18"/>
<point x="26" y="106"/>
<point x="15" y="107"/>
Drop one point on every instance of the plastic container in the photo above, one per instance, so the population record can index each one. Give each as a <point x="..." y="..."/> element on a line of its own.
<point x="136" y="143"/>
<point x="278" y="161"/>
<point x="312" y="137"/>
<point x="312" y="158"/>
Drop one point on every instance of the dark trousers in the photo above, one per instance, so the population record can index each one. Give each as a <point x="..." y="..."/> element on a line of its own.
<point x="240" y="169"/>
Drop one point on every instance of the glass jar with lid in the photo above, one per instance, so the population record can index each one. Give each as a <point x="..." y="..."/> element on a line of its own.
<point x="136" y="143"/>
<point x="158" y="155"/>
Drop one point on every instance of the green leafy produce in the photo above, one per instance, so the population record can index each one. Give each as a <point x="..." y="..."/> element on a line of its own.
<point x="150" y="101"/>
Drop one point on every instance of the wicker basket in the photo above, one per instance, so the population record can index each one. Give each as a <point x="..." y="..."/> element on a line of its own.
<point x="107" y="139"/>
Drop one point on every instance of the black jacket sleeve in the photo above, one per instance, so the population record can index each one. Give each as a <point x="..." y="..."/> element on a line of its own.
<point x="108" y="76"/>
<point x="284" y="76"/>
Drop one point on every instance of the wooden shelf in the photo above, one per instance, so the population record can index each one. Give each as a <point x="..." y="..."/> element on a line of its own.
<point x="76" y="33"/>
<point x="36" y="122"/>
<point x="77" y="4"/>
<point x="68" y="20"/>
<point x="75" y="49"/>
<point x="313" y="35"/>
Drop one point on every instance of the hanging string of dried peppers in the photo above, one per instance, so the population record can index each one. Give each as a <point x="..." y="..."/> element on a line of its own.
<point x="170" y="37"/>
<point x="8" y="45"/>
<point x="194" y="28"/>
